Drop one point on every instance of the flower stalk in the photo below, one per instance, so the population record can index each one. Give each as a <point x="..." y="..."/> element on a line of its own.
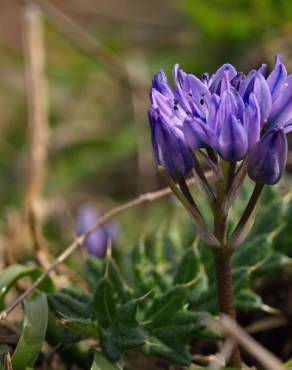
<point x="238" y="125"/>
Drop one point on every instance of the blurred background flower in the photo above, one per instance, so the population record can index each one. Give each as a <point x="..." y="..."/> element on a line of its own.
<point x="102" y="238"/>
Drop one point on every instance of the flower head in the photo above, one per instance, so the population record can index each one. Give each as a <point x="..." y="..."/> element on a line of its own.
<point x="226" y="111"/>
<point x="97" y="242"/>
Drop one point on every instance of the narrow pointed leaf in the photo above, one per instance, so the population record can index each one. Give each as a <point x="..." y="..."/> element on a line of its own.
<point x="167" y="305"/>
<point x="32" y="333"/>
<point x="104" y="303"/>
<point x="188" y="268"/>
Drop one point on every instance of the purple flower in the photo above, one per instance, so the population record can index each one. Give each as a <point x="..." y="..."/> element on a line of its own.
<point x="97" y="242"/>
<point x="233" y="111"/>
<point x="226" y="111"/>
<point x="268" y="159"/>
<point x="169" y="147"/>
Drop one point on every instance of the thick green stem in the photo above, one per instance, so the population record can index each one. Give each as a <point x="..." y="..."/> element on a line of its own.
<point x="225" y="293"/>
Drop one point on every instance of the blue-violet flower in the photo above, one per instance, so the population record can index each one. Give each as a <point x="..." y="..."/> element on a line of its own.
<point x="227" y="111"/>
<point x="97" y="242"/>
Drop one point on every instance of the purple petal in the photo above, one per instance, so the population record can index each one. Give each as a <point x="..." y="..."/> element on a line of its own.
<point x="179" y="77"/>
<point x="197" y="133"/>
<point x="282" y="107"/>
<point x="227" y="108"/>
<point x="163" y="102"/>
<point x="237" y="80"/>
<point x="246" y="85"/>
<point x="224" y="84"/>
<point x="197" y="93"/>
<point x="288" y="127"/>
<point x="263" y="96"/>
<point x="258" y="85"/>
<point x="217" y="76"/>
<point x="160" y="83"/>
<point x="239" y="104"/>
<point x="263" y="69"/>
<point x="277" y="78"/>
<point x="252" y="121"/>
<point x="232" y="140"/>
<point x="212" y="114"/>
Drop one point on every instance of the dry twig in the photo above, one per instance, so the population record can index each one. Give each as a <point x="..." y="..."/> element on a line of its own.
<point x="7" y="362"/>
<point x="34" y="54"/>
<point x="232" y="330"/>
<point x="38" y="127"/>
<point x="83" y="40"/>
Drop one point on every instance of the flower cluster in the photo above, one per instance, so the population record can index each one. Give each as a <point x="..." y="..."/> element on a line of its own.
<point x="240" y="117"/>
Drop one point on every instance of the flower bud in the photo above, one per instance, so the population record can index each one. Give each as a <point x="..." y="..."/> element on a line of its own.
<point x="169" y="147"/>
<point x="268" y="159"/>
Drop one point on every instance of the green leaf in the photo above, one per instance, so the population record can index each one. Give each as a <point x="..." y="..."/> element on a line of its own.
<point x="100" y="362"/>
<point x="142" y="283"/>
<point x="104" y="303"/>
<point x="188" y="268"/>
<point x="12" y="274"/>
<point x="270" y="217"/>
<point x="114" y="275"/>
<point x="241" y="278"/>
<point x="170" y="339"/>
<point x="253" y="251"/>
<point x="32" y="334"/>
<point x="169" y="328"/>
<point x="177" y="354"/>
<point x="247" y="300"/>
<point x="86" y="328"/>
<point x="77" y="294"/>
<point x="271" y="264"/>
<point x="167" y="305"/>
<point x="124" y="334"/>
<point x="68" y="307"/>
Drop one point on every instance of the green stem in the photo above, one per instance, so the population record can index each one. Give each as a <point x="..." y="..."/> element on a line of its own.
<point x="247" y="218"/>
<point x="185" y="197"/>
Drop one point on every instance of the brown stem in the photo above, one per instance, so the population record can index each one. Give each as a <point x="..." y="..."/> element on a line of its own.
<point x="222" y="264"/>
<point x="225" y="294"/>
